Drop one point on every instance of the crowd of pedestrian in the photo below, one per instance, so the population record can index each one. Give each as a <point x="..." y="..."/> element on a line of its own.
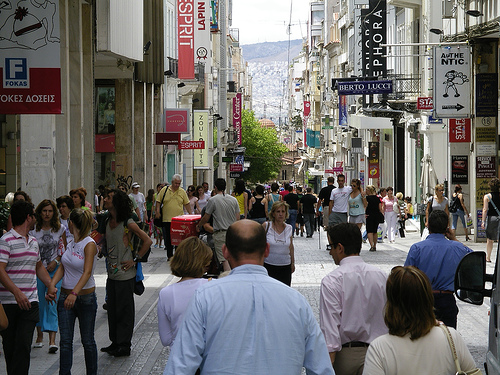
<point x="367" y="321"/>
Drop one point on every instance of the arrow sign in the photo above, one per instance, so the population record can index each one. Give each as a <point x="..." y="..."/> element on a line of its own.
<point x="458" y="107"/>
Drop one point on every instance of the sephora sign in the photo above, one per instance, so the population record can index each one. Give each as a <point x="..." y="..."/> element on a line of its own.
<point x="373" y="35"/>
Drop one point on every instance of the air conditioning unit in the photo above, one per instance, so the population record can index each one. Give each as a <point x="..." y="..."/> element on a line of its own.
<point x="318" y="167"/>
<point x="352" y="109"/>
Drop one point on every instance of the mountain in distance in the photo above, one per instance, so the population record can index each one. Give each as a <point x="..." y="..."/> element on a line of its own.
<point x="268" y="65"/>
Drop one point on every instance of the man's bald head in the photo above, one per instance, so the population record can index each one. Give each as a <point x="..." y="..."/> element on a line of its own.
<point x="246" y="238"/>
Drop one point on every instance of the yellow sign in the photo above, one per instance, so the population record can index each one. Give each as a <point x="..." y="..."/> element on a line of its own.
<point x="200" y="133"/>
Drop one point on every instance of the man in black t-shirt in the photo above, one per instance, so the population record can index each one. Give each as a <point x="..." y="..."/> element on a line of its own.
<point x="307" y="207"/>
<point x="293" y="202"/>
<point x="324" y="200"/>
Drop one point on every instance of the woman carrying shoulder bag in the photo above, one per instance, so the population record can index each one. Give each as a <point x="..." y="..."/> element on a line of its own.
<point x="491" y="215"/>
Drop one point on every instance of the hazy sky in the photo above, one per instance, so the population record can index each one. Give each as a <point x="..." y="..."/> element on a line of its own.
<point x="267" y="20"/>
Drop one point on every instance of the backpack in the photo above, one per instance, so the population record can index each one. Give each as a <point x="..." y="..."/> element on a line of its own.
<point x="455" y="204"/>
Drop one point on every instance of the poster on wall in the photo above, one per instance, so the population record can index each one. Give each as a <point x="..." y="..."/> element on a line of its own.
<point x="105" y="110"/>
<point x="30" y="57"/>
<point x="373" y="160"/>
<point x="485" y="167"/>
<point x="459" y="169"/>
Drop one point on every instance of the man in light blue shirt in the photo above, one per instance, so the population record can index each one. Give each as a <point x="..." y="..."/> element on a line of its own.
<point x="247" y="322"/>
<point x="438" y="256"/>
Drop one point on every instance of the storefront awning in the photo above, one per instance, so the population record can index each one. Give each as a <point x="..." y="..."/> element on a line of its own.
<point x="365" y="122"/>
<point x="315" y="172"/>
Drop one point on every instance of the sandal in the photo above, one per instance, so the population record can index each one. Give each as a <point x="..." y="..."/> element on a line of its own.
<point x="373" y="249"/>
<point x="38" y="345"/>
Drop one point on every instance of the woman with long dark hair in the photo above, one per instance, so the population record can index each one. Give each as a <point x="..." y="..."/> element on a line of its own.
<point x="242" y="197"/>
<point x="415" y="343"/>
<point x="491" y="210"/>
<point x="121" y="271"/>
<point x="51" y="238"/>
<point x="457" y="205"/>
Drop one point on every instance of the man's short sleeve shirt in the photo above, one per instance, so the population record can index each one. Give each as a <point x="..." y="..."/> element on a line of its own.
<point x="21" y="256"/>
<point x="173" y="202"/>
<point x="340" y="198"/>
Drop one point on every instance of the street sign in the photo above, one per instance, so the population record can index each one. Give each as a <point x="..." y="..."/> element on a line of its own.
<point x="235" y="167"/>
<point x="425" y="103"/>
<point x="191" y="145"/>
<point x="335" y="170"/>
<point x="452" y="86"/>
<point x="227" y="159"/>
<point x="327" y="127"/>
<point x="235" y="174"/>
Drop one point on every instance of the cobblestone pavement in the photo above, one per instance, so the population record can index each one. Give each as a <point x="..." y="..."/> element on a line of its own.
<point x="312" y="264"/>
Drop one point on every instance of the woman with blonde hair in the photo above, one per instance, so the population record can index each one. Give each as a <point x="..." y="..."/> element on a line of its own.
<point x="415" y="344"/>
<point x="280" y="263"/>
<point x="78" y="298"/>
<point x="51" y="238"/>
<point x="189" y="262"/>
<point x="374" y="215"/>
<point x="437" y="202"/>
<point x="357" y="204"/>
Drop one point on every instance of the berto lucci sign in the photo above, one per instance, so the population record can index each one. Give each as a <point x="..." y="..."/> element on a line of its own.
<point x="364" y="87"/>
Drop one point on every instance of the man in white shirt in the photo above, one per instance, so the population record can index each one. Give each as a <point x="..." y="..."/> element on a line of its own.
<point x="352" y="300"/>
<point x="139" y="199"/>
<point x="339" y="202"/>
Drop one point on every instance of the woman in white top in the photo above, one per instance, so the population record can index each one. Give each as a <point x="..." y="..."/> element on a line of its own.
<point x="51" y="238"/>
<point x="391" y="216"/>
<point x="202" y="198"/>
<point x="78" y="298"/>
<point x="189" y="262"/>
<point x="415" y="343"/>
<point x="193" y="201"/>
<point x="280" y="263"/>
<point x="437" y="202"/>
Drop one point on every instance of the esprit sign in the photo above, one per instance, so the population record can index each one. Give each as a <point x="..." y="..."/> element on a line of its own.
<point x="364" y="87"/>
<point x="185" y="38"/>
<point x="191" y="145"/>
<point x="425" y="103"/>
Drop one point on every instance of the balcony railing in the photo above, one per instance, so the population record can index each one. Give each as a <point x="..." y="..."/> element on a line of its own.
<point x="404" y="86"/>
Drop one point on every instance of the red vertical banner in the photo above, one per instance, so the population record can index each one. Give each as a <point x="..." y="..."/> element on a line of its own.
<point x="307" y="108"/>
<point x="185" y="38"/>
<point x="237" y="117"/>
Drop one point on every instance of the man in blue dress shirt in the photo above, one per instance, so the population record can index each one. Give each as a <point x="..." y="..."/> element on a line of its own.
<point x="248" y="322"/>
<point x="438" y="256"/>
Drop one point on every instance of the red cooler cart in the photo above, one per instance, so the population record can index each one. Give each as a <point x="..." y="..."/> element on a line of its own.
<point x="182" y="227"/>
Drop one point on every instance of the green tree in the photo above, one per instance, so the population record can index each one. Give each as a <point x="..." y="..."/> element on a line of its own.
<point x="263" y="149"/>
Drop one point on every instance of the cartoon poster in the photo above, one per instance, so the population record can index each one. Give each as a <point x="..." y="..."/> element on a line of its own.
<point x="30" y="57"/>
<point x="452" y="76"/>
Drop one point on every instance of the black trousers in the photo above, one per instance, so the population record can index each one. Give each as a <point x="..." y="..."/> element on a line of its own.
<point x="280" y="273"/>
<point x="446" y="308"/>
<point x="121" y="311"/>
<point x="166" y="239"/>
<point x="18" y="336"/>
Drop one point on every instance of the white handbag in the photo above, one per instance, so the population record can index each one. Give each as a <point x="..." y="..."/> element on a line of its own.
<point x="476" y="371"/>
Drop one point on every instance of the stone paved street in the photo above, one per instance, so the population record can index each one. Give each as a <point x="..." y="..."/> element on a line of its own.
<point x="312" y="264"/>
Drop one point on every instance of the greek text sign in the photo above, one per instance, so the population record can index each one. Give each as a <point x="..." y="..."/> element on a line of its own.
<point x="30" y="58"/>
<point x="365" y="87"/>
<point x="452" y="74"/>
<point x="200" y="133"/>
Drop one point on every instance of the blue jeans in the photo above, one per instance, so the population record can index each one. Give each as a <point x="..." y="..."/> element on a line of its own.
<point x="455" y="215"/>
<point x="48" y="312"/>
<point x="292" y="218"/>
<point x="85" y="309"/>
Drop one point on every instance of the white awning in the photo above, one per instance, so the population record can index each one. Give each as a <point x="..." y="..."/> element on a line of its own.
<point x="365" y="122"/>
<point x="315" y="172"/>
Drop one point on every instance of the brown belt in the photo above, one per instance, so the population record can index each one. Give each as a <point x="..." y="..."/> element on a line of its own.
<point x="442" y="292"/>
<point x="82" y="292"/>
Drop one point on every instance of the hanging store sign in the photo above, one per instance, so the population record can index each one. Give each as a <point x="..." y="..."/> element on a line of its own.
<point x="237" y="117"/>
<point x="425" y="103"/>
<point x="214" y="18"/>
<point x="166" y="139"/>
<point x="373" y="160"/>
<point x="307" y="108"/>
<point x="200" y="133"/>
<point x="176" y="120"/>
<point x="185" y="38"/>
<point x="452" y="74"/>
<point x="460" y="130"/>
<point x="378" y="36"/>
<point x="485" y="167"/>
<point x="364" y="87"/>
<point x="30" y="58"/>
<point x="191" y="145"/>
<point x="233" y="167"/>
<point x="202" y="43"/>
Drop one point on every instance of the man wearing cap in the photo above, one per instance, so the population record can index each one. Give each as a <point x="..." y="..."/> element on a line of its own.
<point x="139" y="199"/>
